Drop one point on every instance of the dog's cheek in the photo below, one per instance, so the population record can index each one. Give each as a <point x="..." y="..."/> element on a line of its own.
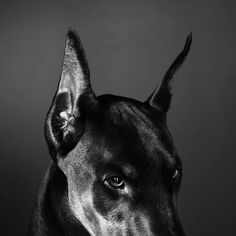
<point x="120" y="217"/>
<point x="80" y="198"/>
<point x="107" y="202"/>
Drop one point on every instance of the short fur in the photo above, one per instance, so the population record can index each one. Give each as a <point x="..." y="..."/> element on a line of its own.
<point x="115" y="168"/>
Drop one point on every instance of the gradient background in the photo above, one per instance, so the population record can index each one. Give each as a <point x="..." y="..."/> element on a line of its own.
<point x="129" y="44"/>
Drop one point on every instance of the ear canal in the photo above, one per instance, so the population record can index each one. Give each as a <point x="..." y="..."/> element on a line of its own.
<point x="161" y="97"/>
<point x="73" y="97"/>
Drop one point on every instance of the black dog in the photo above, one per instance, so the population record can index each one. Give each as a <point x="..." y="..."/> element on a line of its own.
<point x="115" y="168"/>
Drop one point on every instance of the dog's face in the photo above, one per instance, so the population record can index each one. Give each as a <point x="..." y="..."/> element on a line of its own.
<point x="122" y="168"/>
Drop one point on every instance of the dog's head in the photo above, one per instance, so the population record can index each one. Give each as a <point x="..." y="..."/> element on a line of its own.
<point x="122" y="168"/>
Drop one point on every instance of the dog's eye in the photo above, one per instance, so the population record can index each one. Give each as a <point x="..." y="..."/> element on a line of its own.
<point x="176" y="175"/>
<point x="115" y="181"/>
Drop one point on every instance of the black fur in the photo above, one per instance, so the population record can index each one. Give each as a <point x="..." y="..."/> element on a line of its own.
<point x="109" y="135"/>
<point x="161" y="97"/>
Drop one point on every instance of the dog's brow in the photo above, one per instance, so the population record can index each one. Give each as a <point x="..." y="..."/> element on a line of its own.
<point x="107" y="154"/>
<point x="129" y="171"/>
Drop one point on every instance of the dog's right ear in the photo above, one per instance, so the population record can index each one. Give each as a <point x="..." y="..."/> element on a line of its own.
<point x="73" y="99"/>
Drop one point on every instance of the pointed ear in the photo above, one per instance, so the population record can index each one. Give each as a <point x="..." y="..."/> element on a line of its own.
<point x="73" y="98"/>
<point x="161" y="97"/>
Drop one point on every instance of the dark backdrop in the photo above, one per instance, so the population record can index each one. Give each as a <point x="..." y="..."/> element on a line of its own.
<point x="129" y="45"/>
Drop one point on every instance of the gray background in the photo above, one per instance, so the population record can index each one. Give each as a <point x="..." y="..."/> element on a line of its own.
<point x="129" y="44"/>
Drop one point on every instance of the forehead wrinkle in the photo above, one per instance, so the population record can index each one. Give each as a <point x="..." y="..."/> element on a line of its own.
<point x="128" y="115"/>
<point x="132" y="112"/>
<point x="145" y="126"/>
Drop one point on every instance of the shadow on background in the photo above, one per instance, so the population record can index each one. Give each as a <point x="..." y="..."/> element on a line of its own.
<point x="129" y="45"/>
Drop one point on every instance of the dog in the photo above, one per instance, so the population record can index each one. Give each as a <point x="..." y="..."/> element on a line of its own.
<point x="115" y="169"/>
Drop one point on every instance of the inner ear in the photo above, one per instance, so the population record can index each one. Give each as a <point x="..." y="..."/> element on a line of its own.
<point x="75" y="72"/>
<point x="65" y="117"/>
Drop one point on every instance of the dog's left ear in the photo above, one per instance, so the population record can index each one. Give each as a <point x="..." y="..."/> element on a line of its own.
<point x="160" y="99"/>
<point x="73" y="99"/>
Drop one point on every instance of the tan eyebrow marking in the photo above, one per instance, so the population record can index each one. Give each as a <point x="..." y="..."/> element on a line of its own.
<point x="129" y="171"/>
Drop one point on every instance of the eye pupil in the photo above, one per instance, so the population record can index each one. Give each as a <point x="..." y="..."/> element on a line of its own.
<point x="116" y="179"/>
